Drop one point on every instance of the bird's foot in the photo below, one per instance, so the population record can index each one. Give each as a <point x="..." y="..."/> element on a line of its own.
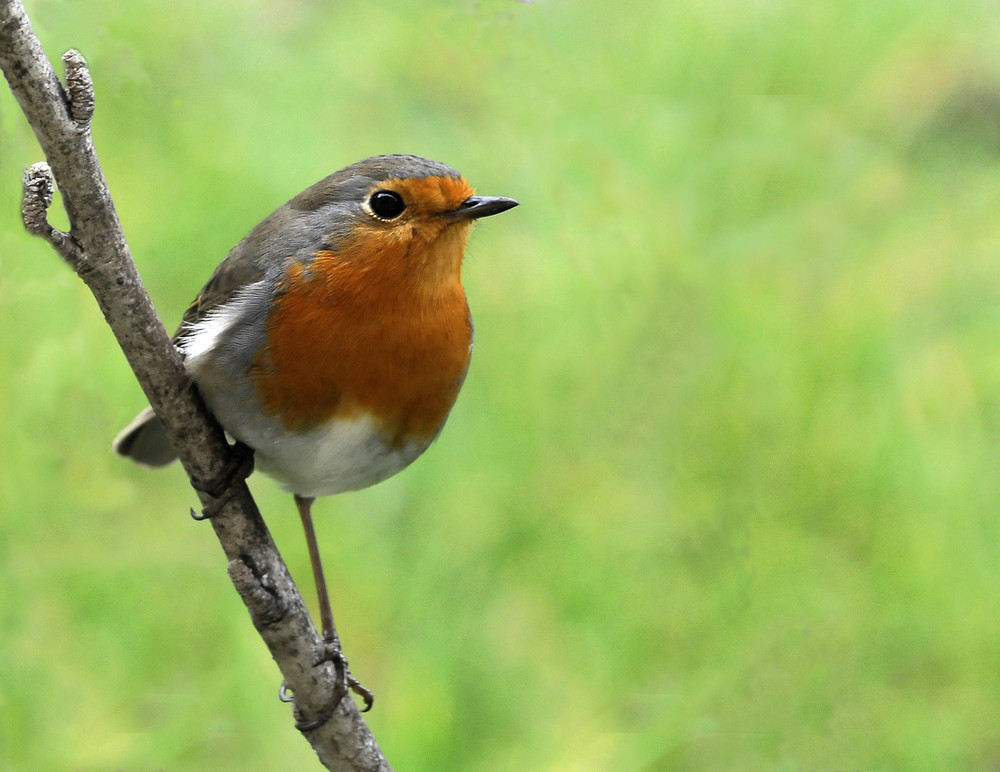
<point x="344" y="684"/>
<point x="332" y="652"/>
<point x="238" y="468"/>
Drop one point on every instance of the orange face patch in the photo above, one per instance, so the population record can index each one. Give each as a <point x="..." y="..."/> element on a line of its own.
<point x="427" y="196"/>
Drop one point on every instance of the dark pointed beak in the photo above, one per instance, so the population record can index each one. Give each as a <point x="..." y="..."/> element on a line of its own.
<point x="475" y="207"/>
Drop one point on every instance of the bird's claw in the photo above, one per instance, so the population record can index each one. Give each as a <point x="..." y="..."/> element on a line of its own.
<point x="344" y="684"/>
<point x="238" y="468"/>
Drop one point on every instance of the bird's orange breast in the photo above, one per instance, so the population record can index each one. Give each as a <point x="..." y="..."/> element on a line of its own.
<point x="350" y="335"/>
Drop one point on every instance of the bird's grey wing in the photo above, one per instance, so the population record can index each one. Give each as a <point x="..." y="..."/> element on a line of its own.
<point x="238" y="270"/>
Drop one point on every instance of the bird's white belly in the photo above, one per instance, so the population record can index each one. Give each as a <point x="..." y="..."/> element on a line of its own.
<point x="341" y="455"/>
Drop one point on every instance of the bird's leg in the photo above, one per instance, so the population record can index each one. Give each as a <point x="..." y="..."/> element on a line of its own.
<point x="334" y="653"/>
<point x="304" y="506"/>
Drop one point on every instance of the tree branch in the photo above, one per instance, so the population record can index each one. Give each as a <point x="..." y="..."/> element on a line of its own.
<point x="96" y="249"/>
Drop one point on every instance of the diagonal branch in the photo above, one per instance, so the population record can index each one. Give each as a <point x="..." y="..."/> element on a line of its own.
<point x="96" y="249"/>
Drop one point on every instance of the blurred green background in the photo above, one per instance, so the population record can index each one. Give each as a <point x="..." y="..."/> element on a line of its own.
<point x="721" y="490"/>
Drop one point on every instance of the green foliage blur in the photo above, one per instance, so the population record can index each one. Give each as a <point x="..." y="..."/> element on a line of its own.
<point x="721" y="491"/>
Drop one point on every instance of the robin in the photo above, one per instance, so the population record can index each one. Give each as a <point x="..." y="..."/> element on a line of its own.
<point x="333" y="340"/>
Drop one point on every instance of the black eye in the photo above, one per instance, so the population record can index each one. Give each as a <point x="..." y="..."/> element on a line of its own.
<point x="386" y="204"/>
